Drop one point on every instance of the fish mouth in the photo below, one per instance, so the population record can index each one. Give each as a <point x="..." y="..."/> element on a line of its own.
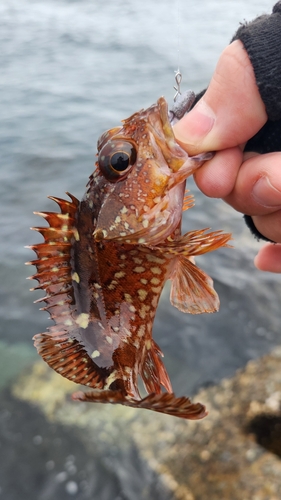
<point x="175" y="156"/>
<point x="161" y="128"/>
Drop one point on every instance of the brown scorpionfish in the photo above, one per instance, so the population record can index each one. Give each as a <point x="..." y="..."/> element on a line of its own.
<point x="104" y="262"/>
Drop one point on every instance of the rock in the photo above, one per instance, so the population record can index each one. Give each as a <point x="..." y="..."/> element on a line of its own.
<point x="233" y="453"/>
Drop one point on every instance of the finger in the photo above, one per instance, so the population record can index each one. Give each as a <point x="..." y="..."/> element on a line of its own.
<point x="257" y="191"/>
<point x="230" y="112"/>
<point x="217" y="177"/>
<point x="269" y="258"/>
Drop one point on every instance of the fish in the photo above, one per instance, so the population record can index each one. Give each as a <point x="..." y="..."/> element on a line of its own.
<point x="105" y="259"/>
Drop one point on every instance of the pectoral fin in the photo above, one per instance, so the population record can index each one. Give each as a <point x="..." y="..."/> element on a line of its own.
<point x="192" y="290"/>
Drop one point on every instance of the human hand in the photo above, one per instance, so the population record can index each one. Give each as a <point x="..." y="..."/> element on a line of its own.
<point x="226" y="117"/>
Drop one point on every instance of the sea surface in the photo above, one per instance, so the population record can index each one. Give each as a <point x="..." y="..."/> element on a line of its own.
<point x="69" y="71"/>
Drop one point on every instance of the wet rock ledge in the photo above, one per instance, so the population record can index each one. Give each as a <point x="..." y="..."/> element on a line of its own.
<point x="233" y="453"/>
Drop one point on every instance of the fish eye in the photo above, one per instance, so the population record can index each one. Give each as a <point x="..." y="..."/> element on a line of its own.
<point x="116" y="159"/>
<point x="120" y="161"/>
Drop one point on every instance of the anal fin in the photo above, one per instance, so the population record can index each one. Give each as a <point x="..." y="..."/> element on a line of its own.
<point x="153" y="371"/>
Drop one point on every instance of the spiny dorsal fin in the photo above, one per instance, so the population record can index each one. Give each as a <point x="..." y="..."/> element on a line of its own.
<point x="58" y="347"/>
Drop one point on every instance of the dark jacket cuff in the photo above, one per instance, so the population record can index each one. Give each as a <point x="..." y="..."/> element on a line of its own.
<point x="249" y="222"/>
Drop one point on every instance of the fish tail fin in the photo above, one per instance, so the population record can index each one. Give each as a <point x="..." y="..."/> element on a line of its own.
<point x="166" y="403"/>
<point x="153" y="371"/>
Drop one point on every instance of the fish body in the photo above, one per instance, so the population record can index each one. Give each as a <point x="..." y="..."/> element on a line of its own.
<point x="104" y="262"/>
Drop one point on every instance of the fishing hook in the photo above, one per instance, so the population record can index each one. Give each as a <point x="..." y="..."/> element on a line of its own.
<point x="178" y="78"/>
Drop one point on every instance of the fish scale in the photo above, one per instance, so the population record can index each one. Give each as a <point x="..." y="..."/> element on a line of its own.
<point x="105" y="259"/>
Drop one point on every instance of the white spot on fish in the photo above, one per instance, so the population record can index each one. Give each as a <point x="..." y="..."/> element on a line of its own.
<point x="154" y="281"/>
<point x="137" y="260"/>
<point x="148" y="344"/>
<point x="141" y="331"/>
<point x="119" y="274"/>
<point x="139" y="269"/>
<point x="75" y="277"/>
<point x="152" y="258"/>
<point x="142" y="294"/>
<point x="157" y="199"/>
<point x="144" y="281"/>
<point x="82" y="320"/>
<point x="95" y="354"/>
<point x="128" y="297"/>
<point x="76" y="235"/>
<point x="142" y="312"/>
<point x="109" y="339"/>
<point x="156" y="270"/>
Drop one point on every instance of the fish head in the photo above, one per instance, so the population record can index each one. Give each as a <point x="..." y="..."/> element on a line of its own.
<point x="138" y="186"/>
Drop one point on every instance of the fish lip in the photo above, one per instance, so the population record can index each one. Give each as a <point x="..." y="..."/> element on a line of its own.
<point x="162" y="131"/>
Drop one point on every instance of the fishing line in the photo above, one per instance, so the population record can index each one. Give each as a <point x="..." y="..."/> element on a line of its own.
<point x="178" y="75"/>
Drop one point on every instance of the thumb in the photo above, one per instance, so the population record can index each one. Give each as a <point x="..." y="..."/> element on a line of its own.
<point x="231" y="110"/>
